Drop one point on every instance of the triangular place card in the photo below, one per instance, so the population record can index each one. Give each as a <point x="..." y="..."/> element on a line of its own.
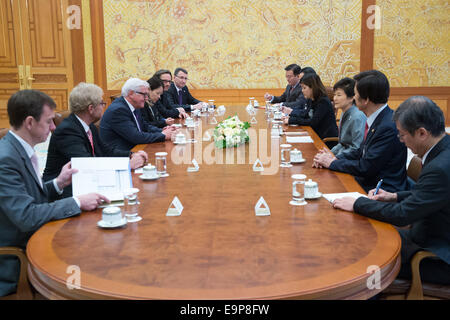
<point x="261" y="208"/>
<point x="213" y="120"/>
<point x="175" y="208"/>
<point x="195" y="168"/>
<point x="253" y="120"/>
<point x="206" y="136"/>
<point x="257" y="166"/>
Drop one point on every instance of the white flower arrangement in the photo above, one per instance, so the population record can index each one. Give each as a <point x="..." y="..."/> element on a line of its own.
<point x="231" y="132"/>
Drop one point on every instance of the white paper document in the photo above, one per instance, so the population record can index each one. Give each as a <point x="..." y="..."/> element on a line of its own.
<point x="106" y="176"/>
<point x="333" y="196"/>
<point x="306" y="139"/>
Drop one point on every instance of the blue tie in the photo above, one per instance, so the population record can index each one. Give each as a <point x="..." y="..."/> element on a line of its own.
<point x="180" y="97"/>
<point x="138" y="118"/>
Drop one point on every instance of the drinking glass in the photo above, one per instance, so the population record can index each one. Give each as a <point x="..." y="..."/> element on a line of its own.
<point x="298" y="196"/>
<point x="131" y="205"/>
<point x="160" y="160"/>
<point x="285" y="155"/>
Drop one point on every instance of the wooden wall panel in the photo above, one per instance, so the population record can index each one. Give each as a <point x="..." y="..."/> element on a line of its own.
<point x="7" y="47"/>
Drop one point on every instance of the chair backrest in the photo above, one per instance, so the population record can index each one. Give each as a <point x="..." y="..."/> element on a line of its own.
<point x="3" y="132"/>
<point x="23" y="287"/>
<point x="414" y="168"/>
<point x="60" y="116"/>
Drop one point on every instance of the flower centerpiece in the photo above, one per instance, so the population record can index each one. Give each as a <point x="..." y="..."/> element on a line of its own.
<point x="231" y="132"/>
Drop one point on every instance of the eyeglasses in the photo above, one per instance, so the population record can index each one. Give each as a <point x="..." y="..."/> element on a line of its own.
<point x="182" y="78"/>
<point x="103" y="104"/>
<point x="144" y="94"/>
<point x="166" y="81"/>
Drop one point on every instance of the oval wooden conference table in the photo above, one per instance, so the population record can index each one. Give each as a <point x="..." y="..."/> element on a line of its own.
<point x="218" y="248"/>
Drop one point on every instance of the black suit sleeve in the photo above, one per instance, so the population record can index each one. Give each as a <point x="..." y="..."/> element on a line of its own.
<point x="429" y="196"/>
<point x="377" y="155"/>
<point x="281" y="98"/>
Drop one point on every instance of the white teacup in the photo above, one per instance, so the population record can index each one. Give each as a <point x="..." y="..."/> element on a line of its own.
<point x="180" y="138"/>
<point x="112" y="215"/>
<point x="278" y="115"/>
<point x="149" y="171"/>
<point x="296" y="155"/>
<point x="311" y="189"/>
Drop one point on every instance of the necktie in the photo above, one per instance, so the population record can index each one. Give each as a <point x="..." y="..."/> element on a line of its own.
<point x="180" y="97"/>
<point x="365" y="131"/>
<point x="136" y="114"/>
<point x="89" y="134"/>
<point x="34" y="162"/>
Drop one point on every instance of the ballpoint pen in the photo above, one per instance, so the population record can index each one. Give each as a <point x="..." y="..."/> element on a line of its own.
<point x="378" y="187"/>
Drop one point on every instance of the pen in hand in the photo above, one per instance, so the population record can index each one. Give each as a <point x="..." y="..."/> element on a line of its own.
<point x="378" y="187"/>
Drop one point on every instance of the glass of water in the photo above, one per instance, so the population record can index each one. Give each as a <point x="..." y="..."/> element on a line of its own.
<point x="131" y="205"/>
<point x="285" y="155"/>
<point x="161" y="164"/>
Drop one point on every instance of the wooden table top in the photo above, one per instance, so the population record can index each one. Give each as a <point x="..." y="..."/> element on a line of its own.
<point x="218" y="248"/>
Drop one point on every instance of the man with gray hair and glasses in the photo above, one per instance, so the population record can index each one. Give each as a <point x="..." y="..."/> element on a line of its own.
<point x="77" y="135"/>
<point x="122" y="125"/>
<point x="426" y="208"/>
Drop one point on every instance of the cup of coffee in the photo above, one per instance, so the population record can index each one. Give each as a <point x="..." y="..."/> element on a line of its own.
<point x="111" y="215"/>
<point x="149" y="171"/>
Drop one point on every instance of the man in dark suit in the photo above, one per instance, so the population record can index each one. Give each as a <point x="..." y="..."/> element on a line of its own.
<point x="77" y="135"/>
<point x="381" y="155"/>
<point x="292" y="96"/>
<point x="163" y="104"/>
<point x="25" y="201"/>
<point x="426" y="207"/>
<point x="178" y="94"/>
<point x="122" y="125"/>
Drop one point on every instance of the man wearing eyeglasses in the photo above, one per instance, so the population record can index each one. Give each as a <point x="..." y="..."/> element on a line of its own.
<point x="122" y="125"/>
<point x="163" y="105"/>
<point x="178" y="94"/>
<point x="77" y="135"/>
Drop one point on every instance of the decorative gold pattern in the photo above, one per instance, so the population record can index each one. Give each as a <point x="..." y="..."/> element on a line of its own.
<point x="231" y="44"/>
<point x="412" y="47"/>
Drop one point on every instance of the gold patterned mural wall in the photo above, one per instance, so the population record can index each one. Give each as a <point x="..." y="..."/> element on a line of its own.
<point x="412" y="47"/>
<point x="233" y="43"/>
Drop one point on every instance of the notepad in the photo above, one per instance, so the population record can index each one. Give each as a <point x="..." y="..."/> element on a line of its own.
<point x="299" y="139"/>
<point x="333" y="196"/>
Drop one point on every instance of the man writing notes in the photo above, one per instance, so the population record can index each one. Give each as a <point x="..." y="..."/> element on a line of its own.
<point x="381" y="155"/>
<point x="178" y="94"/>
<point x="426" y="207"/>
<point x="25" y="200"/>
<point x="292" y="96"/>
<point x="77" y="135"/>
<point x="122" y="125"/>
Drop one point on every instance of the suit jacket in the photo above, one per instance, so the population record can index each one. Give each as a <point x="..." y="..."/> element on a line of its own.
<point x="151" y="114"/>
<point x="351" y="131"/>
<point x="323" y="120"/>
<point x="187" y="98"/>
<point x="24" y="206"/>
<point x="380" y="156"/>
<point x="70" y="140"/>
<point x="426" y="207"/>
<point x="164" y="107"/>
<point x="118" y="127"/>
<point x="294" y="99"/>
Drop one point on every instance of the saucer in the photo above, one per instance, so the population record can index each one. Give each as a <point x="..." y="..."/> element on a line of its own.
<point x="148" y="178"/>
<point x="317" y="196"/>
<point x="179" y="142"/>
<point x="301" y="161"/>
<point x="134" y="218"/>
<point x="107" y="225"/>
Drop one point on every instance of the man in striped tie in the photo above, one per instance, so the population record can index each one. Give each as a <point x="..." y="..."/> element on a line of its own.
<point x="77" y="135"/>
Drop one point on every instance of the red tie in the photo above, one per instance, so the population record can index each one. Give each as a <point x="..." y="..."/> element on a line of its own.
<point x="89" y="134"/>
<point x="365" y="131"/>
